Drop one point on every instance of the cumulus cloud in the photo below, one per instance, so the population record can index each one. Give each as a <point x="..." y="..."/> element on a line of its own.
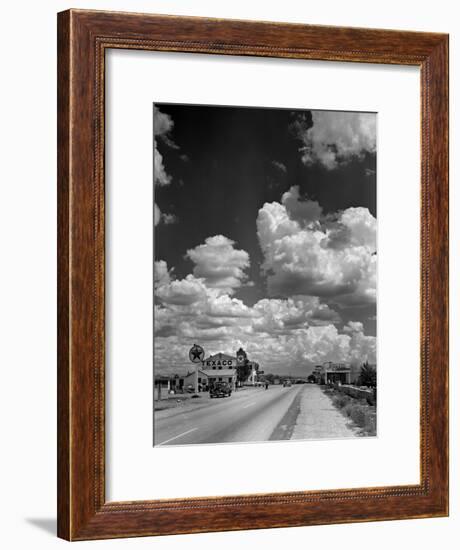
<point x="161" y="273"/>
<point x="162" y="127"/>
<point x="219" y="264"/>
<point x="278" y="333"/>
<point x="362" y="348"/>
<point x="183" y="292"/>
<point x="179" y="294"/>
<point x="300" y="209"/>
<point x="333" y="258"/>
<point x="159" y="172"/>
<point x="311" y="346"/>
<point x="169" y="219"/>
<point x="158" y="217"/>
<point x="156" y="214"/>
<point x="352" y="327"/>
<point x="275" y="349"/>
<point x="362" y="227"/>
<point x="335" y="138"/>
<point x="283" y="316"/>
<point x="280" y="166"/>
<point x="192" y="302"/>
<point x="313" y="263"/>
<point x="227" y="307"/>
<point x="162" y="123"/>
<point x="187" y="308"/>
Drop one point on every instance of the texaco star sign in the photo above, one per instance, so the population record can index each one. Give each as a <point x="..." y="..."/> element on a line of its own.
<point x="196" y="354"/>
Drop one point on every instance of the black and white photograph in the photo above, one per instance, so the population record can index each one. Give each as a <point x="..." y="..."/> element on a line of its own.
<point x="265" y="247"/>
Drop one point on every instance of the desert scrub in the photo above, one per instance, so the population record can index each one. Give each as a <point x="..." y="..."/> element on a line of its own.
<point x="341" y="400"/>
<point x="358" y="411"/>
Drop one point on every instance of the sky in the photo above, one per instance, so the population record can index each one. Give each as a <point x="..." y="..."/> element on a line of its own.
<point x="265" y="235"/>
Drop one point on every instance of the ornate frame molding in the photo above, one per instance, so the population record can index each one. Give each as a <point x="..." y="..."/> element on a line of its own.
<point x="83" y="38"/>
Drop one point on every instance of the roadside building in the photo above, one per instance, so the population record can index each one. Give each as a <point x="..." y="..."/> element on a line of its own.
<point x="224" y="367"/>
<point x="332" y="373"/>
<point x="162" y="386"/>
<point x="177" y="382"/>
<point x="189" y="380"/>
<point x="222" y="375"/>
<point x="220" y="361"/>
<point x="163" y="382"/>
<point x="220" y="367"/>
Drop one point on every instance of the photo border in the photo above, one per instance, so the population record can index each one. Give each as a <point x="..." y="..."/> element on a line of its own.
<point x="83" y="38"/>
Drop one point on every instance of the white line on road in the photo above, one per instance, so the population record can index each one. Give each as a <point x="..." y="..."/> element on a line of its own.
<point x="177" y="436"/>
<point x="249" y="405"/>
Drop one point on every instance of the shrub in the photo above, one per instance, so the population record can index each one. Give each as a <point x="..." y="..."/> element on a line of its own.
<point x="359" y="411"/>
<point x="368" y="376"/>
<point x="359" y="416"/>
<point x="341" y="400"/>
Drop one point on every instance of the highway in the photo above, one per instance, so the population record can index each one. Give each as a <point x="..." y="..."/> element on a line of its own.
<point x="253" y="414"/>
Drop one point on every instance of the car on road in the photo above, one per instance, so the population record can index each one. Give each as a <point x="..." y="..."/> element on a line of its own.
<point x="287" y="384"/>
<point x="220" y="389"/>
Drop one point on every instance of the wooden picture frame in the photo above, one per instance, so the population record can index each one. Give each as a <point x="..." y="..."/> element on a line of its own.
<point x="83" y="39"/>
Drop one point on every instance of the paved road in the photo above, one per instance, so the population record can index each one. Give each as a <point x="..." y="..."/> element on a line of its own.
<point x="298" y="412"/>
<point x="248" y="415"/>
